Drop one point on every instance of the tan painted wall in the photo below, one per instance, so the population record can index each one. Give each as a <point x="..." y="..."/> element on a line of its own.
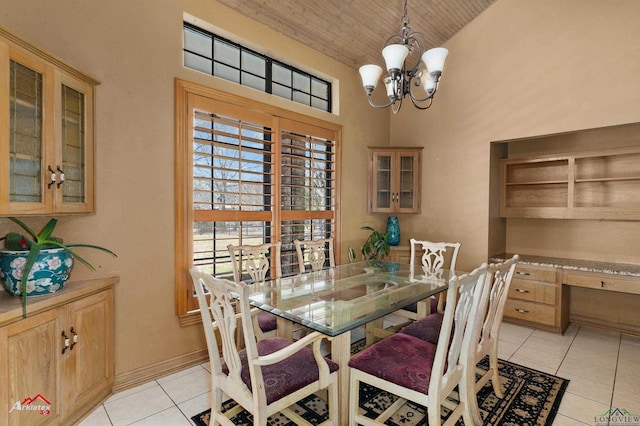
<point x="135" y="49"/>
<point x="523" y="68"/>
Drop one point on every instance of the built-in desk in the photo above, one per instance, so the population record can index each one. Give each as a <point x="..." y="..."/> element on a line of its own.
<point x="599" y="294"/>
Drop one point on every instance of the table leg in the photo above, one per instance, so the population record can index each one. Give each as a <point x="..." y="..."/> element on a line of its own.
<point x="341" y="353"/>
<point x="285" y="328"/>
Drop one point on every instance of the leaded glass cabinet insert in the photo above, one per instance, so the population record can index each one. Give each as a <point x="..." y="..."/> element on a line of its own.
<point x="25" y="134"/>
<point x="73" y="145"/>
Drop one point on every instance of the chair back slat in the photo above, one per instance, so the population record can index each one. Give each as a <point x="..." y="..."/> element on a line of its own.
<point x="260" y="262"/>
<point x="314" y="253"/>
<point x="434" y="255"/>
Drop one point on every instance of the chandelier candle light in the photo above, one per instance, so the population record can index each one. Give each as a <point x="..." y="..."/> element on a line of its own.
<point x="400" y="80"/>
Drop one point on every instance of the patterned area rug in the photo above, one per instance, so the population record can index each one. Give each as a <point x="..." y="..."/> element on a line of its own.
<point x="531" y="398"/>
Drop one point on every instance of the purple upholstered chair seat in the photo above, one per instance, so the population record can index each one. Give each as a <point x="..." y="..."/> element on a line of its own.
<point x="427" y="328"/>
<point x="284" y="377"/>
<point x="401" y="359"/>
<point x="267" y="321"/>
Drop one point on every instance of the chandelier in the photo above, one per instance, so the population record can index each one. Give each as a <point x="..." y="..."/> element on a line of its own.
<point x="400" y="81"/>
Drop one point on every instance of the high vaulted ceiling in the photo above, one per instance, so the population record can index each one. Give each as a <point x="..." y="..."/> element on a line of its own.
<point x="354" y="31"/>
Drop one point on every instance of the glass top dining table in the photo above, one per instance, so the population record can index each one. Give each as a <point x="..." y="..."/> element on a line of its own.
<point x="342" y="298"/>
<point x="337" y="300"/>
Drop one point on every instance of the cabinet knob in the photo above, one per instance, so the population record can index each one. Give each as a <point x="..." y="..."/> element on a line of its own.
<point x="522" y="311"/>
<point x="519" y="290"/>
<point x="61" y="180"/>
<point x="66" y="342"/>
<point x="75" y="338"/>
<point x="522" y="273"/>
<point x="53" y="177"/>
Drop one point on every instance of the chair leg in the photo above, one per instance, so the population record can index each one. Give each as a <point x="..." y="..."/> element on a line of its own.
<point x="332" y="399"/>
<point x="216" y="404"/>
<point x="495" y="378"/>
<point x="468" y="398"/>
<point x="433" y="413"/>
<point x="353" y="401"/>
<point x="471" y="414"/>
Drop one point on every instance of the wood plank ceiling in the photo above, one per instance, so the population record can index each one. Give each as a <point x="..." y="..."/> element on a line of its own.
<point x="354" y="31"/>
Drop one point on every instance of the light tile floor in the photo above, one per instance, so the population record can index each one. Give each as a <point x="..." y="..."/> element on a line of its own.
<point x="603" y="369"/>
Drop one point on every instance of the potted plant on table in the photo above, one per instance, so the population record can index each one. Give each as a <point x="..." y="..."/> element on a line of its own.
<point x="38" y="264"/>
<point x="375" y="247"/>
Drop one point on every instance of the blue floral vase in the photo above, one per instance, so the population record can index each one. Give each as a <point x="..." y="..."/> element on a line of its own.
<point x="48" y="274"/>
<point x="393" y="228"/>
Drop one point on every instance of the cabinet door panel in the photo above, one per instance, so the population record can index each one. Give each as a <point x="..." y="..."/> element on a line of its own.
<point x="407" y="164"/>
<point x="74" y="153"/>
<point x="91" y="365"/>
<point x="29" y="130"/>
<point x="382" y="182"/>
<point x="33" y="393"/>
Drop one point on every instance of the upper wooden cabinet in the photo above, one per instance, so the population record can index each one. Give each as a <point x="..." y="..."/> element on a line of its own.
<point x="593" y="185"/>
<point x="46" y="132"/>
<point x="394" y="180"/>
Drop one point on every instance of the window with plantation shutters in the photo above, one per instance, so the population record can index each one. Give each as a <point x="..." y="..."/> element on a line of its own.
<point x="307" y="188"/>
<point x="247" y="173"/>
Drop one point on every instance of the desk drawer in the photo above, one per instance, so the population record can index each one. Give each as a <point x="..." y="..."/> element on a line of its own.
<point x="530" y="311"/>
<point x="526" y="272"/>
<point x="535" y="291"/>
<point x="603" y="282"/>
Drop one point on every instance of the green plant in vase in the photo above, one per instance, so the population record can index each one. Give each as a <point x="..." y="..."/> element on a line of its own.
<point x="40" y="253"/>
<point x="376" y="246"/>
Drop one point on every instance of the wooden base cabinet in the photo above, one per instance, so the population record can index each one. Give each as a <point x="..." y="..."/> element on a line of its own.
<point x="604" y="300"/>
<point x="56" y="365"/>
<point x="537" y="297"/>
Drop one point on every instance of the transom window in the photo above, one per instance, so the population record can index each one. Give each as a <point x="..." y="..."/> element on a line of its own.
<point x="212" y="54"/>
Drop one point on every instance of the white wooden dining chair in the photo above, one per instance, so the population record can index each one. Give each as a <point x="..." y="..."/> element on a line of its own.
<point x="314" y="254"/>
<point x="269" y="375"/>
<point x="497" y="288"/>
<point x="416" y="370"/>
<point x="256" y="264"/>
<point x="434" y="257"/>
<point x="501" y="275"/>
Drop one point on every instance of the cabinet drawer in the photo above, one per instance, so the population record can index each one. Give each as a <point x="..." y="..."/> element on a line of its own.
<point x="530" y="311"/>
<point x="535" y="274"/>
<point x="535" y="291"/>
<point x="603" y="282"/>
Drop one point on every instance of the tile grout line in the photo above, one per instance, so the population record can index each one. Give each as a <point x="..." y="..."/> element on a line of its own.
<point x="615" y="376"/>
<point x="568" y="348"/>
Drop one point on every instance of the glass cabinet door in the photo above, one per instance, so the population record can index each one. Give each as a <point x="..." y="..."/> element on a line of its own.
<point x="74" y="157"/>
<point x="26" y="101"/>
<point x="383" y="180"/>
<point x="406" y="181"/>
